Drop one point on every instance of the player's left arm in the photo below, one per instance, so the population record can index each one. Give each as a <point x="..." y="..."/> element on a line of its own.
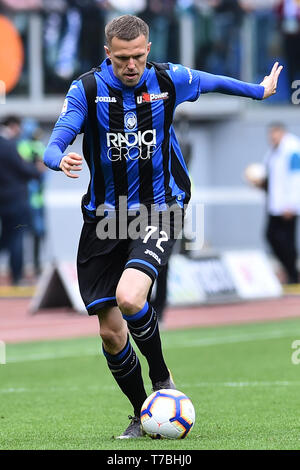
<point x="270" y="81"/>
<point x="190" y="84"/>
<point x="231" y="86"/>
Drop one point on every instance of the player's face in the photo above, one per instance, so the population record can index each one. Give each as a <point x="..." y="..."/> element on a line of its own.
<point x="275" y="136"/>
<point x="128" y="58"/>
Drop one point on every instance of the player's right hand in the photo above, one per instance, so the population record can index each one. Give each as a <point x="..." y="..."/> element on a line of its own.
<point x="71" y="162"/>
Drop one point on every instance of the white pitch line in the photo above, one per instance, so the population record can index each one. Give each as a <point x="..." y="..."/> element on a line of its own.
<point x="276" y="383"/>
<point x="169" y="344"/>
<point x="241" y="338"/>
<point x="49" y="356"/>
<point x="111" y="388"/>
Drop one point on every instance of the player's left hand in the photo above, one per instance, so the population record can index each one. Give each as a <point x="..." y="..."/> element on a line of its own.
<point x="270" y="81"/>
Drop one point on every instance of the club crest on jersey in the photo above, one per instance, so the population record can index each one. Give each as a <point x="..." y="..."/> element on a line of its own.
<point x="150" y="97"/>
<point x="130" y="121"/>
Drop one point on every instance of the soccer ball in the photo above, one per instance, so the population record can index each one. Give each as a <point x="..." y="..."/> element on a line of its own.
<point x="167" y="414"/>
<point x="255" y="173"/>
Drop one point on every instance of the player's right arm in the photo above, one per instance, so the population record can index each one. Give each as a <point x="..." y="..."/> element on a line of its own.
<point x="68" y="125"/>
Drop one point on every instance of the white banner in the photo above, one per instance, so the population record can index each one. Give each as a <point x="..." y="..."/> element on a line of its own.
<point x="58" y="287"/>
<point x="253" y="275"/>
<point x="225" y="278"/>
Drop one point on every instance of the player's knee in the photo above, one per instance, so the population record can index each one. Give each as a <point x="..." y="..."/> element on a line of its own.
<point x="129" y="303"/>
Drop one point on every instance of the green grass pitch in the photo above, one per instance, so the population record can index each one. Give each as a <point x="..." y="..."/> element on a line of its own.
<point x="241" y="379"/>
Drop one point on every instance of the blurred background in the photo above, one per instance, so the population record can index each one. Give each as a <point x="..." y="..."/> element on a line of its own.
<point x="53" y="42"/>
<point x="242" y="377"/>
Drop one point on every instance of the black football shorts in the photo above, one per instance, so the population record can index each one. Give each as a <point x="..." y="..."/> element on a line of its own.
<point x="146" y="246"/>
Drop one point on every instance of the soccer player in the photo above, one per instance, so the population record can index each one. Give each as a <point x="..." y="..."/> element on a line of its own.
<point x="125" y="109"/>
<point x="282" y="183"/>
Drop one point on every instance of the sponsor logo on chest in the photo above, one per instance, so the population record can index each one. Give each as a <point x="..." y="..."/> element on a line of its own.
<point x="150" y="97"/>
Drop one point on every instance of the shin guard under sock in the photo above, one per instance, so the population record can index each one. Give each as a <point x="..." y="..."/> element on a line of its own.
<point x="126" y="369"/>
<point x="143" y="327"/>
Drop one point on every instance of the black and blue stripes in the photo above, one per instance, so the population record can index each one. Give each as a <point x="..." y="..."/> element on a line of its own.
<point x="100" y="302"/>
<point x="126" y="370"/>
<point x="129" y="142"/>
<point x="123" y="363"/>
<point x="143" y="327"/>
<point x="134" y="138"/>
<point x="92" y="145"/>
<point x="140" y="263"/>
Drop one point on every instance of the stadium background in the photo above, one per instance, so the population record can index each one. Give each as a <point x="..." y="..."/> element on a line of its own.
<point x="220" y="135"/>
<point x="215" y="132"/>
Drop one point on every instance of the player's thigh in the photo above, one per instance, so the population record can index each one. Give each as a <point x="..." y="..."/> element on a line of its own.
<point x="100" y="264"/>
<point x="150" y="252"/>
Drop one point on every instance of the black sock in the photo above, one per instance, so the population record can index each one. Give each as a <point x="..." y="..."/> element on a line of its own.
<point x="143" y="327"/>
<point x="126" y="369"/>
